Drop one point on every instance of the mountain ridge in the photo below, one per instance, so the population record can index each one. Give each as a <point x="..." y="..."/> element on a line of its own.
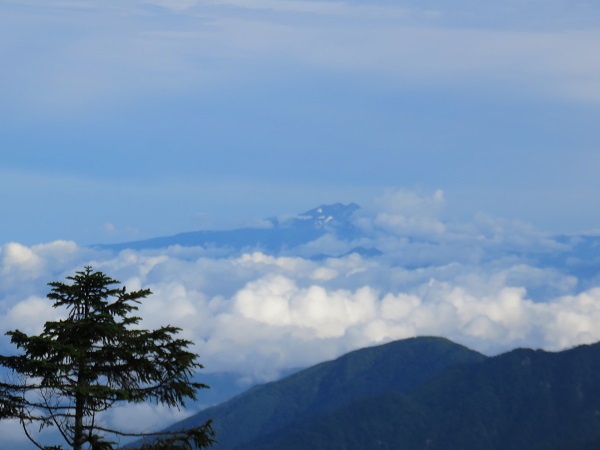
<point x="423" y="393"/>
<point x="331" y="384"/>
<point x="283" y="233"/>
<point x="299" y="235"/>
<point x="522" y="399"/>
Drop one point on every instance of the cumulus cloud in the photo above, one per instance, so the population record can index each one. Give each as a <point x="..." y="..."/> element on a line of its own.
<point x="141" y="418"/>
<point x="485" y="284"/>
<point x="18" y="258"/>
<point x="242" y="310"/>
<point x="408" y="213"/>
<point x="30" y="315"/>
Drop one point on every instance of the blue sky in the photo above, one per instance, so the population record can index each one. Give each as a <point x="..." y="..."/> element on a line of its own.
<point x="127" y="119"/>
<point x="467" y="130"/>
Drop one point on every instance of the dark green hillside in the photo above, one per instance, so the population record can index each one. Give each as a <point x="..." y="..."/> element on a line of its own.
<point x="524" y="399"/>
<point x="398" y="366"/>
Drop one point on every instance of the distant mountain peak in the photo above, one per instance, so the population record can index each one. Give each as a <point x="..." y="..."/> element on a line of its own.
<point x="285" y="233"/>
<point x="337" y="211"/>
<point x="336" y="214"/>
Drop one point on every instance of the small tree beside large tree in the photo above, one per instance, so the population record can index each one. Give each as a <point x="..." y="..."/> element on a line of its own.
<point x="95" y="358"/>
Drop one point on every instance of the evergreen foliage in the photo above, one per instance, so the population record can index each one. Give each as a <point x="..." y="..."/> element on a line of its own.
<point x="93" y="359"/>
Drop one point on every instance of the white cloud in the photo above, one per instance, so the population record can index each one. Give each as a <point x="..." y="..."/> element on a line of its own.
<point x="144" y="418"/>
<point x="572" y="320"/>
<point x="313" y="311"/>
<point x="410" y="214"/>
<point x="18" y="258"/>
<point x="30" y="315"/>
<point x="480" y="283"/>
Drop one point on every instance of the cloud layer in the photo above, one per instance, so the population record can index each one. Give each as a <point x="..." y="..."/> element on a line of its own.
<point x="488" y="283"/>
<point x="481" y="283"/>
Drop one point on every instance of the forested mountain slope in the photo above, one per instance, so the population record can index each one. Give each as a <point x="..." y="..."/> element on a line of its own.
<point x="523" y="399"/>
<point x="399" y="366"/>
<point x="422" y="393"/>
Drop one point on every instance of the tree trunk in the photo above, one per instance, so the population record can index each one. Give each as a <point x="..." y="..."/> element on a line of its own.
<point x="78" y="437"/>
<point x="78" y="432"/>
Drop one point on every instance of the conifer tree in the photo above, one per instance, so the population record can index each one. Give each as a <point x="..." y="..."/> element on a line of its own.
<point x="93" y="359"/>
